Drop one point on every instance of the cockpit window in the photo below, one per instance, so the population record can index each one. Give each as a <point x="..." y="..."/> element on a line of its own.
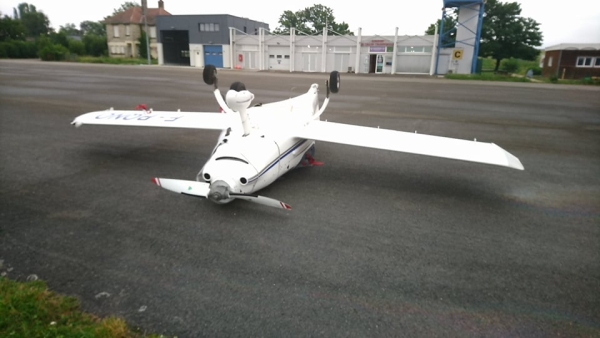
<point x="231" y="159"/>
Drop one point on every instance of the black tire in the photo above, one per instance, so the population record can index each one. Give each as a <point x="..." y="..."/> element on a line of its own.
<point x="209" y="75"/>
<point x="334" y="81"/>
<point x="237" y="86"/>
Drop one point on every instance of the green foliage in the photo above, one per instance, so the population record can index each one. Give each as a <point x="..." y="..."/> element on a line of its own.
<point x="18" y="49"/>
<point x="31" y="310"/>
<point x="125" y="6"/>
<point x="95" y="45"/>
<point x="11" y="29"/>
<point x="115" y="61"/>
<point x="60" y="39"/>
<point x="554" y="79"/>
<point x="511" y="65"/>
<point x="142" y="46"/>
<point x="35" y="23"/>
<point x="311" y="20"/>
<point x="93" y="28"/>
<point x="76" y="47"/>
<point x="70" y="30"/>
<point x="536" y="70"/>
<point x="449" y="37"/>
<point x="506" y="34"/>
<point x="486" y="77"/>
<point x="53" y="52"/>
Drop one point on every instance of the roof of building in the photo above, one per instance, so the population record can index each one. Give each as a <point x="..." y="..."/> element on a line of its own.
<point x="574" y="46"/>
<point x="134" y="15"/>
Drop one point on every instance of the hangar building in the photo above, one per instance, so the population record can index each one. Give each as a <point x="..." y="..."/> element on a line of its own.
<point x="196" y="40"/>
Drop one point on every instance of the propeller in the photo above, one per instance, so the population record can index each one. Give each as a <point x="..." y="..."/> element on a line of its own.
<point x="217" y="192"/>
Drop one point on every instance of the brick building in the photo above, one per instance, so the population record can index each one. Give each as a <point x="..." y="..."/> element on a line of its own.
<point x="572" y="61"/>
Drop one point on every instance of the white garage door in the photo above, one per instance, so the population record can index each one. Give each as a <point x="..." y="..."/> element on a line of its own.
<point x="279" y="58"/>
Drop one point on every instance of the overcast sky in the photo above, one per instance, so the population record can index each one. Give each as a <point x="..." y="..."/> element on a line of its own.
<point x="560" y="23"/>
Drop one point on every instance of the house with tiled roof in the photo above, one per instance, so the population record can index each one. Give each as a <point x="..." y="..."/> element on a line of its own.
<point x="124" y="29"/>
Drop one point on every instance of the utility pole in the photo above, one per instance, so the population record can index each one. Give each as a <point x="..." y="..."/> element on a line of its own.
<point x="144" y="11"/>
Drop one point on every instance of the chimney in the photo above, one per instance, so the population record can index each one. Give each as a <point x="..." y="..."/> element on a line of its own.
<point x="161" y="4"/>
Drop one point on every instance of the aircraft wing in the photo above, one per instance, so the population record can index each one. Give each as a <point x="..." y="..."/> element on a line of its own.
<point x="169" y="119"/>
<point x="413" y="143"/>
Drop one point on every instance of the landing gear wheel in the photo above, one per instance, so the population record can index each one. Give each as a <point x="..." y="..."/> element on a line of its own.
<point x="237" y="86"/>
<point x="209" y="75"/>
<point x="334" y="81"/>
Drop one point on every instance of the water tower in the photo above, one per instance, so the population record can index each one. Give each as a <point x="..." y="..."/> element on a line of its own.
<point x="463" y="53"/>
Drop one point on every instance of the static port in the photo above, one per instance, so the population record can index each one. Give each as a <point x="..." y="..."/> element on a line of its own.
<point x="243" y="180"/>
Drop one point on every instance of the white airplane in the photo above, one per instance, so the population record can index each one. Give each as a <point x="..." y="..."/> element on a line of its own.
<point x="259" y="144"/>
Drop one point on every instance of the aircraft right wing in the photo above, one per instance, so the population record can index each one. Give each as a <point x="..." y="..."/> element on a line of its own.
<point x="421" y="144"/>
<point x="169" y="119"/>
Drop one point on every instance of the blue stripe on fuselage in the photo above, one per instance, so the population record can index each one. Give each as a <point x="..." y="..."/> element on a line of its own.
<point x="289" y="151"/>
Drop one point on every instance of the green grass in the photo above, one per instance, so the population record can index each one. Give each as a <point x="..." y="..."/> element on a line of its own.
<point x="113" y="61"/>
<point x="30" y="310"/>
<point x="488" y="65"/>
<point x="486" y="77"/>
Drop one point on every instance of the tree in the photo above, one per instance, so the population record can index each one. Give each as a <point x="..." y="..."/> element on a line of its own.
<point x="35" y="23"/>
<point x="93" y="28"/>
<point x="70" y="30"/>
<point x="143" y="50"/>
<point x="11" y="29"/>
<point x="311" y="20"/>
<point x="125" y="6"/>
<point x="504" y="33"/>
<point x="449" y="38"/>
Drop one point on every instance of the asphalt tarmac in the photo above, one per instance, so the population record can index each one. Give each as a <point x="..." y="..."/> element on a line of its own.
<point x="377" y="243"/>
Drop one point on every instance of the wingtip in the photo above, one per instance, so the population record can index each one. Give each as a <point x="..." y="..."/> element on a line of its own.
<point x="285" y="206"/>
<point x="156" y="181"/>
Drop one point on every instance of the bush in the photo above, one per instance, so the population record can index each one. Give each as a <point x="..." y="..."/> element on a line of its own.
<point x="18" y="50"/>
<point x="511" y="65"/>
<point x="554" y="79"/>
<point x="53" y="52"/>
<point x="76" y="47"/>
<point x="95" y="45"/>
<point x="536" y="70"/>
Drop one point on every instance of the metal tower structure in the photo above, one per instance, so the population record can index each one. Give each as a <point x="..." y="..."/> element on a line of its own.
<point x="468" y="34"/>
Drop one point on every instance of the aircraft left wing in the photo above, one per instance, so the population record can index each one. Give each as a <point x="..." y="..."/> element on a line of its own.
<point x="169" y="119"/>
<point x="421" y="144"/>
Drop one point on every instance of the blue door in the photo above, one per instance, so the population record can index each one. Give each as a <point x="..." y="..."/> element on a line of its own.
<point x="213" y="55"/>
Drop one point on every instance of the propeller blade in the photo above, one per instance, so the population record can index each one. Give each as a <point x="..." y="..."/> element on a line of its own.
<point x="191" y="188"/>
<point x="262" y="200"/>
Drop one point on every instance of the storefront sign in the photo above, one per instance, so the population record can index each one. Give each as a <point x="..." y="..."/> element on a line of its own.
<point x="377" y="49"/>
<point x="373" y="43"/>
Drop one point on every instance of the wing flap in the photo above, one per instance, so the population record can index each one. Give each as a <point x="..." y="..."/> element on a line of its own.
<point x="413" y="143"/>
<point x="167" y="119"/>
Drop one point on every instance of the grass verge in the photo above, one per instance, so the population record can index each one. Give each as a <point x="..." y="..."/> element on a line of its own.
<point x="486" y="77"/>
<point x="30" y="310"/>
<point x="113" y="61"/>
